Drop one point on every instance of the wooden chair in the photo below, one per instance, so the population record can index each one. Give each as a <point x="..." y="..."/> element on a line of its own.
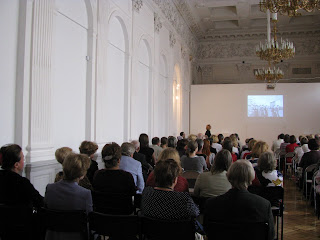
<point x="65" y="221"/>
<point x="243" y="230"/>
<point x="191" y="177"/>
<point x="155" y="229"/>
<point x="307" y="179"/>
<point x="117" y="227"/>
<point x="15" y="222"/>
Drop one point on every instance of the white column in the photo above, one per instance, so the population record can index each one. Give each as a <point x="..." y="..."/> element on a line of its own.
<point x="40" y="146"/>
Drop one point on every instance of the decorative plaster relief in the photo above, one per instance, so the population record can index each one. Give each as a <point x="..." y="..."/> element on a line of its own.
<point x="157" y="23"/>
<point x="172" y="39"/>
<point x="137" y="5"/>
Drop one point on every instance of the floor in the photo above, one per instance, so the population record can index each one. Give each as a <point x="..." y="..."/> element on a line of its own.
<point x="300" y="221"/>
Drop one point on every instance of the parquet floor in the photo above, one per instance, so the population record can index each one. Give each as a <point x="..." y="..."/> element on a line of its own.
<point x="300" y="221"/>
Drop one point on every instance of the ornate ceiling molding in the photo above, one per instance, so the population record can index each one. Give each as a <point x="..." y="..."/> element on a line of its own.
<point x="172" y="39"/>
<point x="157" y="23"/>
<point x="137" y="5"/>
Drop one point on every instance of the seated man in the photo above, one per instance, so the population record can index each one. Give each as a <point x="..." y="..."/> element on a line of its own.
<point x="238" y="205"/>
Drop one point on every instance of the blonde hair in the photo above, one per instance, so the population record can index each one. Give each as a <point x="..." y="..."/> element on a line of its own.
<point x="75" y="166"/>
<point x="258" y="148"/>
<point x="241" y="174"/>
<point x="215" y="139"/>
<point x="170" y="153"/>
<point x="234" y="140"/>
<point x="88" y="148"/>
<point x="192" y="137"/>
<point x="62" y="153"/>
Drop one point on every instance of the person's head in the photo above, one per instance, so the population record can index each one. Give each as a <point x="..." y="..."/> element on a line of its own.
<point x="286" y="138"/>
<point x="182" y="134"/>
<point x="200" y="144"/>
<point x="206" y="147"/>
<point x="313" y="144"/>
<point x="237" y="136"/>
<point x="88" y="148"/>
<point x="62" y="153"/>
<point x="234" y="140"/>
<point x="111" y="154"/>
<point x="292" y="139"/>
<point x="12" y="158"/>
<point x="241" y="174"/>
<point x="169" y="153"/>
<point x="251" y="143"/>
<point x="172" y="142"/>
<point x="208" y="127"/>
<point x="181" y="144"/>
<point x="215" y="139"/>
<point x="164" y="142"/>
<point x="192" y="137"/>
<point x="75" y="166"/>
<point x="166" y="173"/>
<point x="220" y="137"/>
<point x="310" y="136"/>
<point x="192" y="147"/>
<point x="136" y="144"/>
<point x="227" y="144"/>
<point x="222" y="161"/>
<point x="155" y="141"/>
<point x="304" y="140"/>
<point x="267" y="162"/>
<point x="144" y="140"/>
<point x="127" y="149"/>
<point x="281" y="136"/>
<point x="258" y="148"/>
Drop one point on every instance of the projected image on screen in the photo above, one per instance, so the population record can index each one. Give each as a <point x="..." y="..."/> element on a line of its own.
<point x="265" y="105"/>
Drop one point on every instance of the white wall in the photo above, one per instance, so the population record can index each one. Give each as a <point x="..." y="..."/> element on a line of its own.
<point x="9" y="12"/>
<point x="224" y="106"/>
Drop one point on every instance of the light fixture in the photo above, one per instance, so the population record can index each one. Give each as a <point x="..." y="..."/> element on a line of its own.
<point x="272" y="50"/>
<point x="177" y="97"/>
<point x="289" y="7"/>
<point x="269" y="75"/>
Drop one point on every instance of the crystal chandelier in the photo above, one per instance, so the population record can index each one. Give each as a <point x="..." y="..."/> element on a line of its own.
<point x="272" y="50"/>
<point x="269" y="75"/>
<point x="289" y="7"/>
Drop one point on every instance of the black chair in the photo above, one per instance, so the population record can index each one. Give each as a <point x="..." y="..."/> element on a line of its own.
<point x="156" y="229"/>
<point x="15" y="222"/>
<point x="231" y="231"/>
<point x="121" y="227"/>
<point x="191" y="177"/>
<point x="112" y="203"/>
<point x="65" y="221"/>
<point x="275" y="195"/>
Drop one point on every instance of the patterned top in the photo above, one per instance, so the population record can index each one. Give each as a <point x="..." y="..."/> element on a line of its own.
<point x="168" y="205"/>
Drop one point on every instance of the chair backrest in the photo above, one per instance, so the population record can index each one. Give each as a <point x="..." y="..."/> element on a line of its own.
<point x="112" y="203"/>
<point x="290" y="155"/>
<point x="277" y="153"/>
<point x="191" y="177"/>
<point x="114" y="226"/>
<point x="275" y="195"/>
<point x="156" y="229"/>
<point x="15" y="222"/>
<point x="65" y="221"/>
<point x="231" y="231"/>
<point x="309" y="169"/>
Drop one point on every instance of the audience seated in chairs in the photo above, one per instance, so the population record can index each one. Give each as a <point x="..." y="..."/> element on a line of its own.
<point x="238" y="205"/>
<point x="182" y="183"/>
<point x="251" y="143"/>
<point x="162" y="202"/>
<point x="276" y="144"/>
<point x="113" y="187"/>
<point x="61" y="154"/>
<point x="215" y="182"/>
<point x="266" y="173"/>
<point x="215" y="144"/>
<point x="206" y="151"/>
<point x="146" y="167"/>
<point x="67" y="194"/>
<point x="311" y="157"/>
<point x="191" y="161"/>
<point x="181" y="146"/>
<point x="18" y="197"/>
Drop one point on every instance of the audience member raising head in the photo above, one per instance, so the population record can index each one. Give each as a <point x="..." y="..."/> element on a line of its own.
<point x="113" y="187"/>
<point x="266" y="173"/>
<point x="146" y="150"/>
<point x="248" y="207"/>
<point x="215" y="182"/>
<point x="182" y="183"/>
<point x="161" y="202"/>
<point x="15" y="189"/>
<point x="191" y="162"/>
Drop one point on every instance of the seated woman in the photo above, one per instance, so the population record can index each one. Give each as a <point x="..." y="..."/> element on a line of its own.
<point x="215" y="144"/>
<point x="61" y="154"/>
<point x="89" y="148"/>
<point x="161" y="201"/>
<point x="238" y="205"/>
<point x="113" y="187"/>
<point x="15" y="189"/>
<point x="290" y="148"/>
<point x="67" y="194"/>
<point x="146" y="150"/>
<point x="266" y="173"/>
<point x="227" y="144"/>
<point x="257" y="149"/>
<point x="206" y="151"/>
<point x="182" y="183"/>
<point x="251" y="143"/>
<point x="215" y="182"/>
<point x="193" y="162"/>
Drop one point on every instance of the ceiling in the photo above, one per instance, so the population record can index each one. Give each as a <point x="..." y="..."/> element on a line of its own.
<point x="228" y="31"/>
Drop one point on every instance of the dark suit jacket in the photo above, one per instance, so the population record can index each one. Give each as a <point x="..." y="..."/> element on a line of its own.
<point x="145" y="166"/>
<point x="239" y="206"/>
<point x="309" y="158"/>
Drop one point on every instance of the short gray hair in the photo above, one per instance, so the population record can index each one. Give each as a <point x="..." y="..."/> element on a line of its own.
<point x="127" y="149"/>
<point x="136" y="144"/>
<point x="267" y="162"/>
<point x="241" y="174"/>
